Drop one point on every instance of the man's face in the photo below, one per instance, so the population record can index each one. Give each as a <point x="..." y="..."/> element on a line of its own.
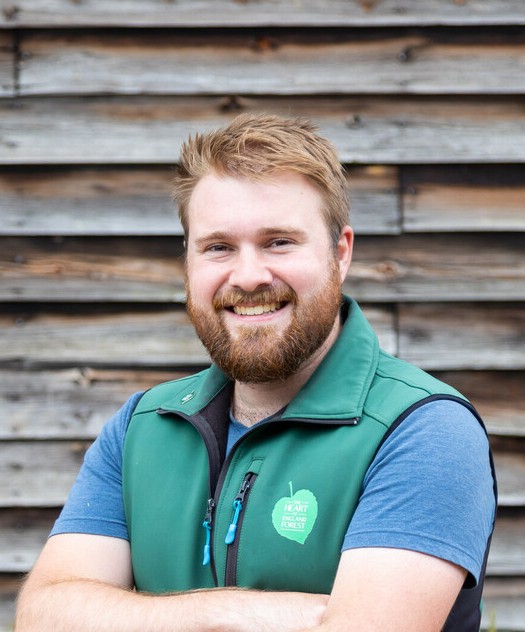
<point x="263" y="281"/>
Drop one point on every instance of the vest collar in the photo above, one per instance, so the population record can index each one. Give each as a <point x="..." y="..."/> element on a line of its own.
<point x="336" y="390"/>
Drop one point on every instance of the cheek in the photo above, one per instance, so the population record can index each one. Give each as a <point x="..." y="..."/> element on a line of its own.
<point x="202" y="282"/>
<point x="309" y="276"/>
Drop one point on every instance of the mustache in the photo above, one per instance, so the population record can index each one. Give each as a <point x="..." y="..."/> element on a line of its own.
<point x="260" y="296"/>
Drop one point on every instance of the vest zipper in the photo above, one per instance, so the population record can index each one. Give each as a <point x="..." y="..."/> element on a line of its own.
<point x="232" y="535"/>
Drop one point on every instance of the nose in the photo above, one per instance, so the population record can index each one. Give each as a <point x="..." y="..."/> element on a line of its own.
<point x="250" y="271"/>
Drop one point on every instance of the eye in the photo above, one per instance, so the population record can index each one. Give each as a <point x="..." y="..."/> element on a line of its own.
<point x="281" y="242"/>
<point x="217" y="248"/>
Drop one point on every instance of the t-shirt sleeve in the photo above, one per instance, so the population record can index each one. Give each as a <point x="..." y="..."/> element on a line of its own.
<point x="95" y="504"/>
<point x="430" y="489"/>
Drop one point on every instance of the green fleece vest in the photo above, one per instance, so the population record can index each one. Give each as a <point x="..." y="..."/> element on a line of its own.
<point x="276" y="510"/>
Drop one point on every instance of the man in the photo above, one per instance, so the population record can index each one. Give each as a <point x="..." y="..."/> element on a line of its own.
<point x="307" y="480"/>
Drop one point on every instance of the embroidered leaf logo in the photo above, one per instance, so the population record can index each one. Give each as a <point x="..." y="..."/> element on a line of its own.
<point x="294" y="516"/>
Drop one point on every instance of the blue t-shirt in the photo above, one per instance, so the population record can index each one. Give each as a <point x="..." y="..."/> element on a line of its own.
<point x="429" y="488"/>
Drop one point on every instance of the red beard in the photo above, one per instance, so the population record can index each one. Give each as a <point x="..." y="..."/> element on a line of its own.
<point x="258" y="353"/>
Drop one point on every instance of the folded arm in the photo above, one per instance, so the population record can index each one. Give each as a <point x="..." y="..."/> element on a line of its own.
<point x="391" y="589"/>
<point x="83" y="583"/>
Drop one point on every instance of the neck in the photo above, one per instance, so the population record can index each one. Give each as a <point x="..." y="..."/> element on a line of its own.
<point x="253" y="402"/>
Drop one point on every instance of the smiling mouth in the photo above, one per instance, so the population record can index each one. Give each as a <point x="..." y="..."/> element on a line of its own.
<point x="256" y="310"/>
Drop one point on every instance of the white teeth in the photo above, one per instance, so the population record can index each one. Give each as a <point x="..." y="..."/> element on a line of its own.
<point x="256" y="310"/>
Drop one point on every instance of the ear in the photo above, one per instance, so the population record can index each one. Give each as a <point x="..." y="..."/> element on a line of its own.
<point x="344" y="250"/>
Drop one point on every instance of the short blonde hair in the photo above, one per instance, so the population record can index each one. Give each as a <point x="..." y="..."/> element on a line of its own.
<point x="258" y="146"/>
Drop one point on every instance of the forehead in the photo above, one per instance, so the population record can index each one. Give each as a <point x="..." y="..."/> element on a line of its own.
<point x="224" y="202"/>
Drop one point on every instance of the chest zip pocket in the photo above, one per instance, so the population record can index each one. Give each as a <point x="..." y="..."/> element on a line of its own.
<point x="233" y="533"/>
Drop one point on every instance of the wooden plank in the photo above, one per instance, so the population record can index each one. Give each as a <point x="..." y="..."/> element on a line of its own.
<point x="23" y="533"/>
<point x="142" y="338"/>
<point x="40" y="474"/>
<point x="261" y="13"/>
<point x="74" y="403"/>
<point x="69" y="403"/>
<point x="114" y="269"/>
<point x="510" y="475"/>
<point x="464" y="199"/>
<point x="473" y="267"/>
<point x="136" y="201"/>
<point x="460" y="268"/>
<point x="462" y="336"/>
<point x="499" y="397"/>
<point x="115" y="201"/>
<point x="274" y="62"/>
<point x="375" y="207"/>
<point x="504" y="605"/>
<point x="507" y="551"/>
<point x="7" y="65"/>
<point x="364" y="130"/>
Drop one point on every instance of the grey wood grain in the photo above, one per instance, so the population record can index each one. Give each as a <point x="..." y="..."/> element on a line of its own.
<point x="281" y="63"/>
<point x="465" y="199"/>
<point x="462" y="335"/>
<point x="200" y="13"/>
<point x="7" y="65"/>
<point x="136" y="201"/>
<point x="364" y="130"/>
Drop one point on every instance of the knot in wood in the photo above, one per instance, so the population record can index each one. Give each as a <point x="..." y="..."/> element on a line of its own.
<point x="265" y="44"/>
<point x="388" y="269"/>
<point x="230" y="104"/>
<point x="368" y="5"/>
<point x="11" y="13"/>
<point x="406" y="55"/>
<point x="354" y="121"/>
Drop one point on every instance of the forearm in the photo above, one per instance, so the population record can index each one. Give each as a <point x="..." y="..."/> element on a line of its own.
<point x="91" y="606"/>
<point x="81" y="605"/>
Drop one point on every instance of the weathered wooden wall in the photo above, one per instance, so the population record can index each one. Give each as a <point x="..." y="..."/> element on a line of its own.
<point x="425" y="102"/>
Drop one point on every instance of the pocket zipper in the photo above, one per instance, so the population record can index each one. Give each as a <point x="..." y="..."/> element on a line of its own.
<point x="231" y="538"/>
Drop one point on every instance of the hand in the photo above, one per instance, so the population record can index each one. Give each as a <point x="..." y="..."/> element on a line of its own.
<point x="274" y="612"/>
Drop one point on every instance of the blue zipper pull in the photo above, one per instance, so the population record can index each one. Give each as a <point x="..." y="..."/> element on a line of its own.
<point x="237" y="508"/>
<point x="207" y="556"/>
<point x="207" y="524"/>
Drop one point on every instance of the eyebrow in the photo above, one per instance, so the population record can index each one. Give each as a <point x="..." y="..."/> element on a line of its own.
<point x="269" y="231"/>
<point x="282" y="230"/>
<point x="215" y="236"/>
